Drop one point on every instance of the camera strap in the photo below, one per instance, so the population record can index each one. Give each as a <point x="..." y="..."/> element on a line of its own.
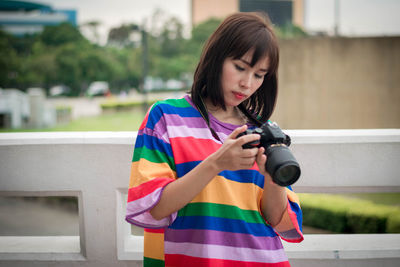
<point x="243" y="109"/>
<point x="204" y="113"/>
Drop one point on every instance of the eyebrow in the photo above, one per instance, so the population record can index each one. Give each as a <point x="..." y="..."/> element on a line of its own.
<point x="248" y="63"/>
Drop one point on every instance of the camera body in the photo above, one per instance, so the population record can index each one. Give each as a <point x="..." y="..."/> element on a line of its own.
<point x="281" y="164"/>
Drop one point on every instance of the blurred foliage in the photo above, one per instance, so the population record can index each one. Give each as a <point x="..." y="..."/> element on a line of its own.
<point x="62" y="55"/>
<point x="289" y="31"/>
<point x="61" y="34"/>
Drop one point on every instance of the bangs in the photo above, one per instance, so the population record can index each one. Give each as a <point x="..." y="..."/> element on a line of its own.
<point x="261" y="42"/>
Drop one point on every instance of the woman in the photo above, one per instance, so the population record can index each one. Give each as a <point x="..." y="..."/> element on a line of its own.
<point x="203" y="199"/>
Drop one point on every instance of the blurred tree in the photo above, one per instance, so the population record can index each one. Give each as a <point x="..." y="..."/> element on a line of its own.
<point x="132" y="61"/>
<point x="289" y="31"/>
<point x="202" y="31"/>
<point x="171" y="38"/>
<point x="119" y="73"/>
<point x="122" y="36"/>
<point x="93" y="28"/>
<point x="9" y="61"/>
<point x="23" y="44"/>
<point x="69" y="71"/>
<point x="39" y="68"/>
<point x="61" y="55"/>
<point x="193" y="47"/>
<point x="61" y="34"/>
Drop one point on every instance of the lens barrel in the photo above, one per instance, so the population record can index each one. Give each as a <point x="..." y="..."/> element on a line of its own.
<point x="282" y="165"/>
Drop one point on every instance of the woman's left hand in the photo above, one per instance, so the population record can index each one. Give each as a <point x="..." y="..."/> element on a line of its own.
<point x="274" y="198"/>
<point x="261" y="159"/>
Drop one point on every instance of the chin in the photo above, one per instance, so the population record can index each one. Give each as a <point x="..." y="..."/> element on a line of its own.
<point x="232" y="104"/>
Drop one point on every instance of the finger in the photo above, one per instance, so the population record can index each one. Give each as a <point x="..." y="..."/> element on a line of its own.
<point x="237" y="131"/>
<point x="261" y="150"/>
<point x="248" y="138"/>
<point x="261" y="159"/>
<point x="249" y="153"/>
<point x="261" y="155"/>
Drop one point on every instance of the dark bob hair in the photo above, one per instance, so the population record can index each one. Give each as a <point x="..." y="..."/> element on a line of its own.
<point x="235" y="36"/>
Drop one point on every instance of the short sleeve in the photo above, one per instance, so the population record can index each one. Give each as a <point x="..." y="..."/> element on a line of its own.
<point x="152" y="169"/>
<point x="290" y="226"/>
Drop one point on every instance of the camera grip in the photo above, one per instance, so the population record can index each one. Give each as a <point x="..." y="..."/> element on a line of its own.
<point x="252" y="144"/>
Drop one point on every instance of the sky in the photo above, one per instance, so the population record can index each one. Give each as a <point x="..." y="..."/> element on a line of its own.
<point x="356" y="17"/>
<point x="113" y="13"/>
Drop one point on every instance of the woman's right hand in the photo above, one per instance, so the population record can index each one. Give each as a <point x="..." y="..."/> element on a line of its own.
<point x="232" y="156"/>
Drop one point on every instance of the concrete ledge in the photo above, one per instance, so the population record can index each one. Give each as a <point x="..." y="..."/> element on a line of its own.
<point x="345" y="246"/>
<point x="60" y="248"/>
<point x="95" y="167"/>
<point x="67" y="138"/>
<point x="128" y="138"/>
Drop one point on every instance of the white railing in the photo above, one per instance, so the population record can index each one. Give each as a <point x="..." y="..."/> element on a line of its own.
<point x="95" y="166"/>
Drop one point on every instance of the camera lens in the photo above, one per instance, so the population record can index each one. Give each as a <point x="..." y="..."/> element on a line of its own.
<point x="282" y="165"/>
<point x="287" y="174"/>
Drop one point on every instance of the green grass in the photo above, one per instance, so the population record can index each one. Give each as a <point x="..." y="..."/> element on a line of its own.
<point x="120" y="121"/>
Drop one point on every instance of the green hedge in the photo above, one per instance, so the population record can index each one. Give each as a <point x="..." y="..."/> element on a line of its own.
<point x="115" y="105"/>
<point x="348" y="215"/>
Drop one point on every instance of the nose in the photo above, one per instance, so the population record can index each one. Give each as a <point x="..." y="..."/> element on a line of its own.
<point x="245" y="81"/>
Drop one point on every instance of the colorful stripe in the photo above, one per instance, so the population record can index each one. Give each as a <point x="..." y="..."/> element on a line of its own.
<point x="150" y="230"/>
<point x="153" y="153"/>
<point x="137" y="211"/>
<point x="240" y="240"/>
<point x="154" y="246"/>
<point x="225" y="252"/>
<point x="142" y="170"/>
<point x="191" y="149"/>
<point x="222" y="225"/>
<point x="152" y="142"/>
<point x="241" y="176"/>
<point x="184" y="260"/>
<point x="146" y="189"/>
<point x="149" y="262"/>
<point x="159" y="110"/>
<point x="223" y="191"/>
<point x="222" y="211"/>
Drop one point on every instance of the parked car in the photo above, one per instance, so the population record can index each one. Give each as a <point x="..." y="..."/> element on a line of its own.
<point x="59" y="90"/>
<point x="98" y="88"/>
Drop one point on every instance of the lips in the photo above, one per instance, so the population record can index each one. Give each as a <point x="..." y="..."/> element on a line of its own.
<point x="239" y="96"/>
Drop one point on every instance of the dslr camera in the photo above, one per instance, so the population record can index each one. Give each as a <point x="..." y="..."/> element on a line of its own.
<point x="281" y="164"/>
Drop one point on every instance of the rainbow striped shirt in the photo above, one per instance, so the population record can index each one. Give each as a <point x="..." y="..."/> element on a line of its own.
<point x="222" y="225"/>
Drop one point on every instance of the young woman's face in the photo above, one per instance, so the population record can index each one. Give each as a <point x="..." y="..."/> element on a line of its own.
<point x="239" y="80"/>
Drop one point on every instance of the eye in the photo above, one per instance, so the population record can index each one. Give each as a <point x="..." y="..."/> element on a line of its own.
<point x="258" y="76"/>
<point x="239" y="68"/>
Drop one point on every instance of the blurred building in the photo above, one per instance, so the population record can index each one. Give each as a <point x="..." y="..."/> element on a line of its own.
<point x="28" y="17"/>
<point x="281" y="12"/>
<point x="25" y="110"/>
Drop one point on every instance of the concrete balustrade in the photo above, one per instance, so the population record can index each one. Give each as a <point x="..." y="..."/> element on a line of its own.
<point x="95" y="167"/>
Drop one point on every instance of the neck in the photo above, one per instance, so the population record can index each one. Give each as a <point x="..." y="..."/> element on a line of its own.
<point x="231" y="114"/>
